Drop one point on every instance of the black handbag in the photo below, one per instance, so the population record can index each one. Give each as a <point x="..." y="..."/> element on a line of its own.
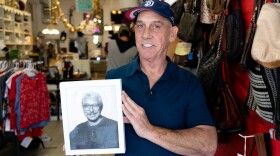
<point x="189" y="27"/>
<point x="235" y="35"/>
<point x="210" y="62"/>
<point x="178" y="9"/>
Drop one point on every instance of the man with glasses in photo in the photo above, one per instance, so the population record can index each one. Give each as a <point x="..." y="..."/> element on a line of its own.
<point x="98" y="132"/>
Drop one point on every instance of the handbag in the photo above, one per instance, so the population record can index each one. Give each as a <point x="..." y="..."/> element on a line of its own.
<point x="209" y="63"/>
<point x="235" y="35"/>
<point x="246" y="61"/>
<point x="215" y="6"/>
<point x="229" y="118"/>
<point x="266" y="47"/>
<point x="206" y="16"/>
<point x="264" y="94"/>
<point x="214" y="76"/>
<point x="178" y="9"/>
<point x="189" y="25"/>
<point x="226" y="112"/>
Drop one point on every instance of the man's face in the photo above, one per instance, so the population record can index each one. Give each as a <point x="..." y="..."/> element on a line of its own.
<point x="153" y="33"/>
<point x="91" y="109"/>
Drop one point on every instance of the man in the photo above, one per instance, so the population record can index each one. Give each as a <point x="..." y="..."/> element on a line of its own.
<point x="98" y="132"/>
<point x="122" y="50"/>
<point x="81" y="45"/>
<point x="164" y="105"/>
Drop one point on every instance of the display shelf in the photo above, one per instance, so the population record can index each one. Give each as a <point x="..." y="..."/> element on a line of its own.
<point x="16" y="29"/>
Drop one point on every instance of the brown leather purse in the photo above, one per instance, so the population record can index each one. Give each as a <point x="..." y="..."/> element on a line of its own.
<point x="230" y="119"/>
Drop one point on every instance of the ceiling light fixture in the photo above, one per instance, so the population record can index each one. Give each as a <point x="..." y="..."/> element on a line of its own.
<point x="50" y="30"/>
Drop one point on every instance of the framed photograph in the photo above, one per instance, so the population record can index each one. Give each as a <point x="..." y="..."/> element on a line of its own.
<point x="92" y="117"/>
<point x="53" y="72"/>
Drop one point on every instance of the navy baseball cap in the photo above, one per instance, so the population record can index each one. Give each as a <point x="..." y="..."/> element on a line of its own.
<point x="158" y="6"/>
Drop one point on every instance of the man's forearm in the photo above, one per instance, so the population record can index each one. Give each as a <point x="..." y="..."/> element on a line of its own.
<point x="197" y="141"/>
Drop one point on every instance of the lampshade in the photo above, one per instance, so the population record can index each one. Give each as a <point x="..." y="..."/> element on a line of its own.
<point x="183" y="48"/>
<point x="50" y="31"/>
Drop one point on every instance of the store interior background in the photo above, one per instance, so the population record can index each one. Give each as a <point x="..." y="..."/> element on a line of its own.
<point x="93" y="68"/>
<point x="96" y="69"/>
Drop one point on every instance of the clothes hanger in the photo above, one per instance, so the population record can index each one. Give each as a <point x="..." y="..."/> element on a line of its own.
<point x="29" y="71"/>
<point x="4" y="66"/>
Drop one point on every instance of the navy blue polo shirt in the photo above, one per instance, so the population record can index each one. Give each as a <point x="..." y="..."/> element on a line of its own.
<point x="176" y="101"/>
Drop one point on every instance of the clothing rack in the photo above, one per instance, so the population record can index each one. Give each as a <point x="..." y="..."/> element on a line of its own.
<point x="8" y="67"/>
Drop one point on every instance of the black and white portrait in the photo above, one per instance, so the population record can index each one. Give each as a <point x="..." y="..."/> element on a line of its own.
<point x="92" y="117"/>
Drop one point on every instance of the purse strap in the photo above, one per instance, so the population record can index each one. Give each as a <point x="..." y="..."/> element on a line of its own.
<point x="260" y="144"/>
<point x="277" y="107"/>
<point x="246" y="56"/>
<point x="225" y="70"/>
<point x="258" y="141"/>
<point x="258" y="6"/>
<point x="216" y="31"/>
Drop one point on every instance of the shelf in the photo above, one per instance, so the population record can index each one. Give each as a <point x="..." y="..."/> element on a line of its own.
<point x="20" y="44"/>
<point x="33" y="54"/>
<point x="8" y="20"/>
<point x="9" y="31"/>
<point x="16" y="26"/>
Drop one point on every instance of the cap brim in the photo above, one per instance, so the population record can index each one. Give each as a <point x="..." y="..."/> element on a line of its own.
<point x="131" y="14"/>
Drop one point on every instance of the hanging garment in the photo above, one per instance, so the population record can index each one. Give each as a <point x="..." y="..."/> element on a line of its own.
<point x="34" y="100"/>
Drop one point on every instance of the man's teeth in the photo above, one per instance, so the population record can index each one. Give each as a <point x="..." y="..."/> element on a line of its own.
<point x="147" y="45"/>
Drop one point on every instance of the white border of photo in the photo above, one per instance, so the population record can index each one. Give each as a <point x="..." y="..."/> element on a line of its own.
<point x="71" y="94"/>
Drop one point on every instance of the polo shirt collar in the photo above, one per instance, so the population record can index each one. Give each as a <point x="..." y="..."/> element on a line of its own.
<point x="169" y="73"/>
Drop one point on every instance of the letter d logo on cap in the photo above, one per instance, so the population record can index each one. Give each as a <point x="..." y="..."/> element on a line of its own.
<point x="149" y="3"/>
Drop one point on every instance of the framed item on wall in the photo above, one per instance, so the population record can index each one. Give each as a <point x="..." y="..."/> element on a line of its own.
<point x="92" y="117"/>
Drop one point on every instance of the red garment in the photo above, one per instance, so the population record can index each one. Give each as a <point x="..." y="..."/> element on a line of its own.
<point x="11" y="102"/>
<point x="34" y="100"/>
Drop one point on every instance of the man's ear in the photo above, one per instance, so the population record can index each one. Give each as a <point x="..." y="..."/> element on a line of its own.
<point x="173" y="33"/>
